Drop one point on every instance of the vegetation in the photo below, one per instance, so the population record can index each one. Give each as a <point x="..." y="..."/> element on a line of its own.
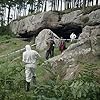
<point x="86" y="86"/>
<point x="50" y="84"/>
<point x="17" y="8"/>
<point x="5" y="30"/>
<point x="85" y="19"/>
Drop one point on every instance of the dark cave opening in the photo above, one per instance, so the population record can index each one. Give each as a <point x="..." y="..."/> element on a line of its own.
<point x="61" y="31"/>
<point x="26" y="34"/>
<point x="65" y="30"/>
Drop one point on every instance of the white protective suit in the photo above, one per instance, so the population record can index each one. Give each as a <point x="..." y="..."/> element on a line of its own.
<point x="72" y="37"/>
<point x="29" y="58"/>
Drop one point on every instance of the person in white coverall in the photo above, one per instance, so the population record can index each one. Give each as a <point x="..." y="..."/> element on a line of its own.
<point x="72" y="37"/>
<point x="29" y="58"/>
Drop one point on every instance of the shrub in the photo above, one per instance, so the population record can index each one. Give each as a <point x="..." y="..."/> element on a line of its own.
<point x="5" y="30"/>
<point x="84" y="19"/>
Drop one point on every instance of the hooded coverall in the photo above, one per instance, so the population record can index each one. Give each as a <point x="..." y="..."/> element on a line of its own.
<point x="72" y="37"/>
<point x="29" y="58"/>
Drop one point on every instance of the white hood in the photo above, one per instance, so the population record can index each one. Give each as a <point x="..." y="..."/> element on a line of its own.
<point x="28" y="47"/>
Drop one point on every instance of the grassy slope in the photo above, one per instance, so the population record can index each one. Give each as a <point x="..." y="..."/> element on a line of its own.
<point x="11" y="67"/>
<point x="8" y="45"/>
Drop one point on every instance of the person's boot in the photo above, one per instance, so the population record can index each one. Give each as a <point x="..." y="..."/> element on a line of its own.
<point x="34" y="80"/>
<point x="27" y="86"/>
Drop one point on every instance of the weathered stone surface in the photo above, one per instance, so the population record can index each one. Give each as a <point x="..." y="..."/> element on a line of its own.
<point x="92" y="34"/>
<point x="35" y="23"/>
<point x="77" y="17"/>
<point x="94" y="17"/>
<point x="73" y="17"/>
<point x="88" y="42"/>
<point x="14" y="26"/>
<point x="42" y="37"/>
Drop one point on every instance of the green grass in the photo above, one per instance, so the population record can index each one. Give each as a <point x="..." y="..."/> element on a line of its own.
<point x="12" y="77"/>
<point x="14" y="61"/>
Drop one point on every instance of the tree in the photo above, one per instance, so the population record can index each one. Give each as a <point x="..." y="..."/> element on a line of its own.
<point x="57" y="4"/>
<point x="45" y="7"/>
<point x="61" y="5"/>
<point x="65" y="4"/>
<point x="2" y="14"/>
<point x="96" y="2"/>
<point x="84" y="4"/>
<point x="9" y="4"/>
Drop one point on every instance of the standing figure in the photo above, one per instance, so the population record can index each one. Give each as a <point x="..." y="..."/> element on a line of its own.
<point x="50" y="48"/>
<point x="29" y="58"/>
<point x="72" y="37"/>
<point x="62" y="45"/>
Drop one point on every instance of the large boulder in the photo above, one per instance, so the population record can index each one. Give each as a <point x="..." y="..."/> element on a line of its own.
<point x="88" y="42"/>
<point x="72" y="17"/>
<point x="79" y="18"/>
<point x="92" y="34"/>
<point x="43" y="36"/>
<point x="94" y="17"/>
<point x="35" y="23"/>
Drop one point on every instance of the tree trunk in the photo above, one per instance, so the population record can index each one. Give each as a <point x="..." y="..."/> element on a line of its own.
<point x="84" y="4"/>
<point x="88" y="2"/>
<point x="8" y="14"/>
<point x="65" y="4"/>
<point x="58" y="5"/>
<point x="70" y="3"/>
<point x="96" y="2"/>
<point x="80" y="3"/>
<point x="54" y="6"/>
<point x="92" y="2"/>
<point x="45" y="5"/>
<point x="61" y="6"/>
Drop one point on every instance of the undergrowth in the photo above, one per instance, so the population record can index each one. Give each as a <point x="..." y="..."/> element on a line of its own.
<point x="86" y="86"/>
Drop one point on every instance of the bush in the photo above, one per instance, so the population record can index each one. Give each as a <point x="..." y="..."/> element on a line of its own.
<point x="5" y="30"/>
<point x="84" y="87"/>
<point x="84" y="19"/>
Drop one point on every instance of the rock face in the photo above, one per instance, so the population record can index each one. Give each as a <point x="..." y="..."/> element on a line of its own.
<point x="73" y="17"/>
<point x="42" y="37"/>
<point x="88" y="42"/>
<point x="34" y="23"/>
<point x="78" y="17"/>
<point x="94" y="17"/>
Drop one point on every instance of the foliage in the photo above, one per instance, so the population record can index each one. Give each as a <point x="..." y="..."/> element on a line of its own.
<point x="5" y="30"/>
<point x="86" y="86"/>
<point x="84" y="19"/>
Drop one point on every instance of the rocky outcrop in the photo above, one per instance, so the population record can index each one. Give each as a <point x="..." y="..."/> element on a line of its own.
<point x="73" y="17"/>
<point x="35" y="23"/>
<point x="43" y="36"/>
<point x="79" y="18"/>
<point x="88" y="42"/>
<point x="94" y="17"/>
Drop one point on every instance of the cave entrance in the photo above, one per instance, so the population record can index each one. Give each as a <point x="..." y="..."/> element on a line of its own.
<point x="65" y="30"/>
